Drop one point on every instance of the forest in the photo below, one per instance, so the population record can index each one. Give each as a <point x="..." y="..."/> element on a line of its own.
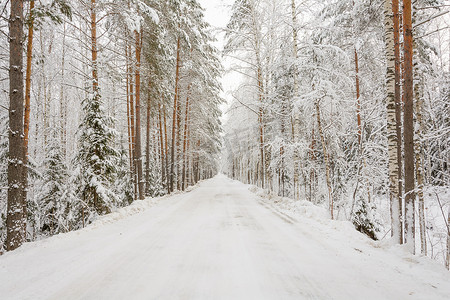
<point x="346" y="104"/>
<point x="341" y="103"/>
<point x="109" y="101"/>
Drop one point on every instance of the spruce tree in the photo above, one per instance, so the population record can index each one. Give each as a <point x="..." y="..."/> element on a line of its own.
<point x="53" y="198"/>
<point x="97" y="160"/>
<point x="364" y="220"/>
<point x="124" y="185"/>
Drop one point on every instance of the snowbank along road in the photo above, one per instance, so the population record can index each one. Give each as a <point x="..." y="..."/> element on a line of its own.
<point x="219" y="241"/>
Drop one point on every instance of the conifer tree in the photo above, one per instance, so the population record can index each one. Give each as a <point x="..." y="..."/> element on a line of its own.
<point x="364" y="220"/>
<point x="123" y="186"/>
<point x="97" y="159"/>
<point x="16" y="221"/>
<point x="53" y="204"/>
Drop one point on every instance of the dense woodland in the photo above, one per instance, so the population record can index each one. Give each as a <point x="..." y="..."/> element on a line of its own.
<point x="342" y="103"/>
<point x="109" y="101"/>
<point x="346" y="104"/>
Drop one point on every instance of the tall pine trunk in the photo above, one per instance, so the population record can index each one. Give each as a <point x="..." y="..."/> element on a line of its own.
<point x="408" y="126"/>
<point x="188" y="164"/>
<point x="28" y="78"/>
<point x="133" y="125"/>
<point x="186" y="124"/>
<point x="398" y="110"/>
<point x="147" y="146"/>
<point x="178" y="159"/>
<point x="26" y="120"/>
<point x="174" y="118"/>
<point x="163" y="152"/>
<point x="166" y="152"/>
<point x="129" y="107"/>
<point x="15" y="218"/>
<point x="138" y="149"/>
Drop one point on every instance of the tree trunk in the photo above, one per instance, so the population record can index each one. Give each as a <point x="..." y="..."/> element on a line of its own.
<point x="188" y="165"/>
<point x="312" y="173"/>
<point x="419" y="170"/>
<point x="26" y="122"/>
<point x="196" y="164"/>
<point x="133" y="126"/>
<point x="62" y="100"/>
<point x="138" y="157"/>
<point x="358" y="100"/>
<point x="448" y="240"/>
<point x="15" y="214"/>
<point x="296" y="123"/>
<point x="46" y="91"/>
<point x="326" y="159"/>
<point x="398" y="111"/>
<point x="174" y="119"/>
<point x="419" y="129"/>
<point x="28" y="78"/>
<point x="166" y="151"/>
<point x="391" y="124"/>
<point x="186" y="120"/>
<point x="178" y="159"/>
<point x="408" y="126"/>
<point x="147" y="146"/>
<point x="163" y="152"/>
<point x="129" y="108"/>
<point x="94" y="50"/>
<point x="261" y="127"/>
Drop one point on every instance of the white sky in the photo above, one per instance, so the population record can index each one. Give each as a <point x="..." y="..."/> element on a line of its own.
<point x="217" y="13"/>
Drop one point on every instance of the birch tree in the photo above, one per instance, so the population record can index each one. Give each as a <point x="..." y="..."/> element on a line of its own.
<point x="395" y="200"/>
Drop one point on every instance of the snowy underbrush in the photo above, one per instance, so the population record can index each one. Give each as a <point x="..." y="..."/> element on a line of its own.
<point x="134" y="208"/>
<point x="437" y="205"/>
<point x="288" y="205"/>
<point x="318" y="218"/>
<point x="307" y="212"/>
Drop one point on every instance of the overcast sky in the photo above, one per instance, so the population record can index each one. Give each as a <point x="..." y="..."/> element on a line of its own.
<point x="217" y="13"/>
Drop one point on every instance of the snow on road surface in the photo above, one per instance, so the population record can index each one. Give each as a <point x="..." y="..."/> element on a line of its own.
<point x="219" y="241"/>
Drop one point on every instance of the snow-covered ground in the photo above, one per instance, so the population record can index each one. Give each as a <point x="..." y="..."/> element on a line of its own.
<point x="218" y="241"/>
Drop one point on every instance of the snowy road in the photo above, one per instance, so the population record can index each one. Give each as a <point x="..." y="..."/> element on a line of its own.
<point x="216" y="242"/>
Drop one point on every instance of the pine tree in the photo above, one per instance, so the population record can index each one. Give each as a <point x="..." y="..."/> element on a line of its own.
<point x="408" y="128"/>
<point x="16" y="221"/>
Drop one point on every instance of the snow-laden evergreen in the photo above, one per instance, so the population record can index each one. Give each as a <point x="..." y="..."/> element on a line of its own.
<point x="97" y="161"/>
<point x="54" y="195"/>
